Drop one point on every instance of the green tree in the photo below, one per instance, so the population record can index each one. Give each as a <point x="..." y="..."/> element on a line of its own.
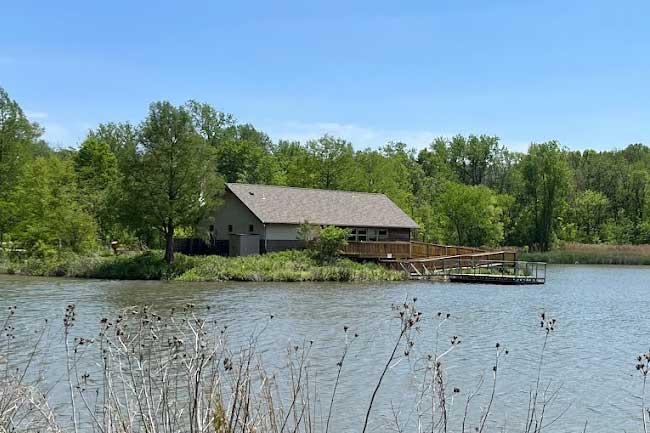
<point x="97" y="175"/>
<point x="546" y="179"/>
<point x="243" y="154"/>
<point x="590" y="209"/>
<point x="472" y="215"/>
<point x="329" y="161"/>
<point x="173" y="182"/>
<point x="50" y="218"/>
<point x="121" y="140"/>
<point x="292" y="161"/>
<point x="18" y="142"/>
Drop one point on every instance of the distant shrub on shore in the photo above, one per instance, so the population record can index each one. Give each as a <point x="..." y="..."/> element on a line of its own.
<point x="601" y="254"/>
<point x="150" y="265"/>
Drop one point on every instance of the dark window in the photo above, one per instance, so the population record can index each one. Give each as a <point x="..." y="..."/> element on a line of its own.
<point x="229" y="228"/>
<point x="251" y="228"/>
<point x="382" y="234"/>
<point x="353" y="235"/>
<point x="362" y="235"/>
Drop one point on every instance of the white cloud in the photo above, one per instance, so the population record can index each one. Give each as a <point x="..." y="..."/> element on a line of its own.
<point x="56" y="134"/>
<point x="60" y="135"/>
<point x="360" y="136"/>
<point x="34" y="115"/>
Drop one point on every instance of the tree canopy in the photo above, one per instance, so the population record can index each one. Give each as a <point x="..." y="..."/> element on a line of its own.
<point x="143" y="183"/>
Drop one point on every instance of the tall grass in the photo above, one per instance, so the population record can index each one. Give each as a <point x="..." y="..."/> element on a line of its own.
<point x="177" y="372"/>
<point x="281" y="266"/>
<point x="596" y="254"/>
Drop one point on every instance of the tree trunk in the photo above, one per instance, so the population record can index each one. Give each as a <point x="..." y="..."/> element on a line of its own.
<point x="169" y="245"/>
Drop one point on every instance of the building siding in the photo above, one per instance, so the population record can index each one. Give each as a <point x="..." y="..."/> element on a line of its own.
<point x="233" y="212"/>
<point x="282" y="232"/>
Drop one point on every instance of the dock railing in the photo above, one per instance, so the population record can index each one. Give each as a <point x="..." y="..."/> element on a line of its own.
<point x="404" y="250"/>
<point x="515" y="272"/>
<point x="378" y="250"/>
<point x="485" y="267"/>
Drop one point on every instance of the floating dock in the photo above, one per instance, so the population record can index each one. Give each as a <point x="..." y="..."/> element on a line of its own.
<point x="485" y="267"/>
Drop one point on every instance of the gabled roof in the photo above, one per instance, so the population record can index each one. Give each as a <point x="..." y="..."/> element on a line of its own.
<point x="288" y="205"/>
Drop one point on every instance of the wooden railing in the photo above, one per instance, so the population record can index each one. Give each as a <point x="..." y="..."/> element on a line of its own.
<point x="372" y="249"/>
<point x="412" y="250"/>
<point x="423" y="249"/>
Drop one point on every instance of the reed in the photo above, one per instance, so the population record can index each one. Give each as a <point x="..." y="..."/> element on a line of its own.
<point x="178" y="372"/>
<point x="593" y="254"/>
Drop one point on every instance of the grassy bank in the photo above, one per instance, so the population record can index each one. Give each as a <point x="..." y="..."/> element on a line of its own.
<point x="284" y="266"/>
<point x="593" y="255"/>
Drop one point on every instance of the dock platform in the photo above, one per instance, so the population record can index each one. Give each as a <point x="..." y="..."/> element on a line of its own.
<point x="486" y="268"/>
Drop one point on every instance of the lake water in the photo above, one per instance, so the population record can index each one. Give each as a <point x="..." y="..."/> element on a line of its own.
<point x="603" y="316"/>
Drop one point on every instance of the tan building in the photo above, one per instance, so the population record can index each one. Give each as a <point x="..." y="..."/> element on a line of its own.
<point x="262" y="218"/>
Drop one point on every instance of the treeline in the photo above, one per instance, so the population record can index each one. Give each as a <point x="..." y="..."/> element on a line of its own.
<point x="163" y="178"/>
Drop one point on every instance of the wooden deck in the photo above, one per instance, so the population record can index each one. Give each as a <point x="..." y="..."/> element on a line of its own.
<point x="495" y="279"/>
<point x="452" y="263"/>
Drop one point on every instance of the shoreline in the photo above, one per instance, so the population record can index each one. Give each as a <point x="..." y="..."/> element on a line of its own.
<point x="288" y="266"/>
<point x="563" y="257"/>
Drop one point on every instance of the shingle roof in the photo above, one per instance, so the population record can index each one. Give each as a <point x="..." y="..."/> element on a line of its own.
<point x="288" y="205"/>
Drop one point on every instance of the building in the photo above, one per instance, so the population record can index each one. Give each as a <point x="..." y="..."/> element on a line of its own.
<point x="262" y="218"/>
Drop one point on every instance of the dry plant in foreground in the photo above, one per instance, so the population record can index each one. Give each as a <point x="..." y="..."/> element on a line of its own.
<point x="145" y="372"/>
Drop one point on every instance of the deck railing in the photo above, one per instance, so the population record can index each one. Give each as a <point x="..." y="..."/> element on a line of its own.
<point x="378" y="249"/>
<point x="415" y="250"/>
<point x="424" y="249"/>
<point x="479" y="267"/>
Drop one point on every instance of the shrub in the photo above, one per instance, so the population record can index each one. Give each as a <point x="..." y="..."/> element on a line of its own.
<point x="328" y="242"/>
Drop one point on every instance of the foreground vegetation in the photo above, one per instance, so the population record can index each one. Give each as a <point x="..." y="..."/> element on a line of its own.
<point x="145" y="184"/>
<point x="585" y="254"/>
<point x="283" y="266"/>
<point x="202" y="383"/>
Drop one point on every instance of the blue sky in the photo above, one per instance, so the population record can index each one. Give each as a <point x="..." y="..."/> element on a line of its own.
<point x="369" y="71"/>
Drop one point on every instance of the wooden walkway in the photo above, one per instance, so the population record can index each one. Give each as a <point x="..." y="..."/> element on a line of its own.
<point x="422" y="260"/>
<point x="498" y="267"/>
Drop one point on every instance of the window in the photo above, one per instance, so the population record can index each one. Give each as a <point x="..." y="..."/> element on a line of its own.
<point x="362" y="235"/>
<point x="382" y="234"/>
<point x="229" y="228"/>
<point x="251" y="229"/>
<point x="353" y="235"/>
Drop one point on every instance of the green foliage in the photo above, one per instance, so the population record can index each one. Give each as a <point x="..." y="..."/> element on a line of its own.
<point x="472" y="215"/>
<point x="328" y="242"/>
<point x="172" y="181"/>
<point x="97" y="174"/>
<point x="590" y="210"/>
<point x="546" y="177"/>
<point x="142" y="184"/>
<point x="332" y="158"/>
<point x="286" y="266"/>
<point x="151" y="265"/>
<point x="605" y="257"/>
<point x="18" y="144"/>
<point x="49" y="216"/>
<point x="308" y="232"/>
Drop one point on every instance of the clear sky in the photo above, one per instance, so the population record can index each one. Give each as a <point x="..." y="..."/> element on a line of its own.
<point x="368" y="71"/>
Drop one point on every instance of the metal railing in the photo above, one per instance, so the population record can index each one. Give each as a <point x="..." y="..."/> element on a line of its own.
<point x="473" y="268"/>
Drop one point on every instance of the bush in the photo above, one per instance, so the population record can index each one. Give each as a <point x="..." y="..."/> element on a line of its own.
<point x="328" y="242"/>
<point x="280" y="266"/>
